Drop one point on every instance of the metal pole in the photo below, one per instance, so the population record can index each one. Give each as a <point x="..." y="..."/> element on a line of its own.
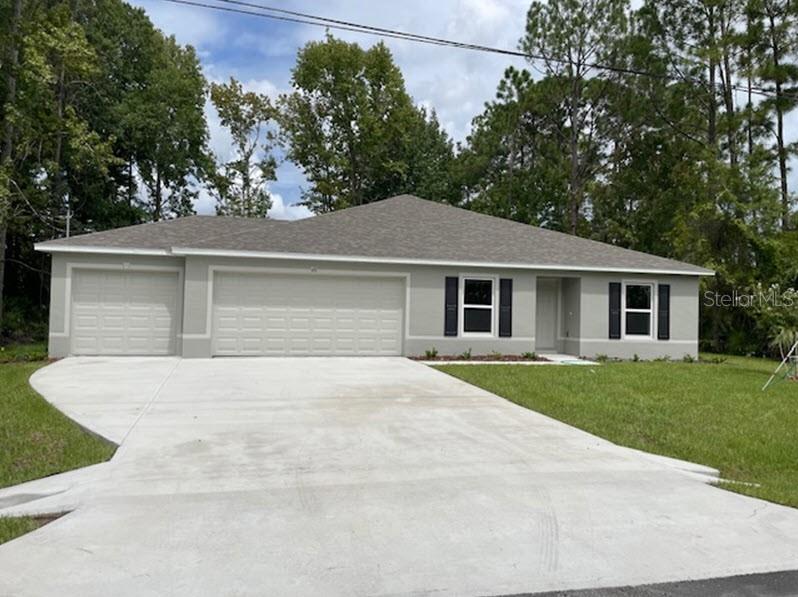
<point x="784" y="360"/>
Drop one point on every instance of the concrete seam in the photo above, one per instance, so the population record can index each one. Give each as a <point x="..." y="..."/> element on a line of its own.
<point x="148" y="406"/>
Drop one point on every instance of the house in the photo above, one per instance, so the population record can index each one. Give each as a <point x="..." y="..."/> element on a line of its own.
<point x="395" y="277"/>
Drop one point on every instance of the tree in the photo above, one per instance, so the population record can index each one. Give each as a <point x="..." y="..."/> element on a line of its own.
<point x="777" y="45"/>
<point x="10" y="65"/>
<point x="514" y="162"/>
<point x="167" y="120"/>
<point x="352" y="127"/>
<point x="50" y="144"/>
<point x="240" y="185"/>
<point x="570" y="36"/>
<point x="95" y="104"/>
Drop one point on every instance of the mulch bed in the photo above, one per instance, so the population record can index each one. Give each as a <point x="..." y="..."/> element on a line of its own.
<point x="508" y="358"/>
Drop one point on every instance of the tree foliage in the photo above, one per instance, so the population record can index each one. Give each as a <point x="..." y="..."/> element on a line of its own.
<point x="240" y="184"/>
<point x="667" y="161"/>
<point x="354" y="130"/>
<point x="102" y="126"/>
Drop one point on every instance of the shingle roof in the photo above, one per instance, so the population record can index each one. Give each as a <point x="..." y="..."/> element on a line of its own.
<point x="402" y="228"/>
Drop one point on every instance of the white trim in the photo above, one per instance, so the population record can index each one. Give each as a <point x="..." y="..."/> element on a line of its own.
<point x="71" y="266"/>
<point x="651" y="309"/>
<point x="184" y="251"/>
<point x="462" y="306"/>
<point x="103" y="250"/>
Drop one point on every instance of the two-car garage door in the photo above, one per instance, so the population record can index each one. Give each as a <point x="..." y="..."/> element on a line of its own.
<point x="287" y="314"/>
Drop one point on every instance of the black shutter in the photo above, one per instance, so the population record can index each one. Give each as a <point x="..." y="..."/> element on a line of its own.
<point x="615" y="310"/>
<point x="505" y="307"/>
<point x="450" y="314"/>
<point x="664" y="312"/>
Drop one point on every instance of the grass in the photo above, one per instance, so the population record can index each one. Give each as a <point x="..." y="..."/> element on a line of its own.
<point x="22" y="353"/>
<point x="709" y="413"/>
<point x="36" y="439"/>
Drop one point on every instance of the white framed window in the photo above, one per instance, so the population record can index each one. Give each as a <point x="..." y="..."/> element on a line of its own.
<point x="638" y="309"/>
<point x="477" y="306"/>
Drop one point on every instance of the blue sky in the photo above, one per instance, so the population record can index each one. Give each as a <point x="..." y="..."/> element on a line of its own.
<point x="261" y="52"/>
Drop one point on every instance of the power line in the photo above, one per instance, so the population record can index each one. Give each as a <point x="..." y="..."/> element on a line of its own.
<point x="281" y="14"/>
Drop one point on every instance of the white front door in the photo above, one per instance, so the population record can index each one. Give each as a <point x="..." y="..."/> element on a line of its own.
<point x="299" y="314"/>
<point x="124" y="312"/>
<point x="546" y="315"/>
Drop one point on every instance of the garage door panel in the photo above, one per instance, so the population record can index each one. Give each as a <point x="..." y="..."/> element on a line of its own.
<point x="124" y="312"/>
<point x="307" y="315"/>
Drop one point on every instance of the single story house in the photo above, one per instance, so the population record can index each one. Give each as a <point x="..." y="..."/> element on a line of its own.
<point x="395" y="277"/>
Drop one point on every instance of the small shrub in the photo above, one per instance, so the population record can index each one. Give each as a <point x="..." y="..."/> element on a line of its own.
<point x="663" y="359"/>
<point x="601" y="358"/>
<point x="23" y="353"/>
<point x="495" y="355"/>
<point x="688" y="358"/>
<point x="635" y="358"/>
<point x="431" y="353"/>
<point x="714" y="359"/>
<point x="532" y="356"/>
<point x="466" y="355"/>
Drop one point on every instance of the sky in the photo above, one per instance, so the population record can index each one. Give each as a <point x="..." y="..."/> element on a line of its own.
<point x="261" y="53"/>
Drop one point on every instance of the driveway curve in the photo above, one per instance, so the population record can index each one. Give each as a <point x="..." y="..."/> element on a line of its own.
<point x="336" y="476"/>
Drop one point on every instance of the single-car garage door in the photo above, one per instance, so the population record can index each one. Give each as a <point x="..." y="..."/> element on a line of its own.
<point x="124" y="312"/>
<point x="284" y="314"/>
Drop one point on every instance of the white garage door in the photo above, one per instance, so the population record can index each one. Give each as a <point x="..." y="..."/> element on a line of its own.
<point x="124" y="312"/>
<point x="278" y="314"/>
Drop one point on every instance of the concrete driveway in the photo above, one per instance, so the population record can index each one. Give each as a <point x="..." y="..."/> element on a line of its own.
<point x="358" y="477"/>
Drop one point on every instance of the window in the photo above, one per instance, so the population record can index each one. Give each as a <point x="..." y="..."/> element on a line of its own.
<point x="477" y="306"/>
<point x="637" y="309"/>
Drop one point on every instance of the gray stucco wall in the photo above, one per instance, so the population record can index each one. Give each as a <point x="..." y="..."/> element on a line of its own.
<point x="424" y="312"/>
<point x="583" y="306"/>
<point x="594" y="323"/>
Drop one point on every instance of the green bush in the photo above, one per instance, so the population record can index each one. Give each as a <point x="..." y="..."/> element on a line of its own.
<point x="23" y="353"/>
<point x="22" y="322"/>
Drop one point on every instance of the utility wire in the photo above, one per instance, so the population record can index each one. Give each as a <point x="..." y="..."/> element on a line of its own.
<point x="291" y="16"/>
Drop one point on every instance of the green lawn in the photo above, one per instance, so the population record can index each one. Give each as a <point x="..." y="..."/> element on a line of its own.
<point x="20" y="353"/>
<point x="712" y="414"/>
<point x="36" y="439"/>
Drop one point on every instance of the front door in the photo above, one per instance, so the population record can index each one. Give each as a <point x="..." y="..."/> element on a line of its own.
<point x="546" y="315"/>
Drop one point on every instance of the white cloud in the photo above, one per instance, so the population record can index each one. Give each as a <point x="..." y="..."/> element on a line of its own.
<point x="282" y="211"/>
<point x="189" y="24"/>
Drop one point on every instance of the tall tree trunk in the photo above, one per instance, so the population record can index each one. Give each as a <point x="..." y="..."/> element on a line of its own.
<point x="728" y="100"/>
<point x="130" y="185"/>
<point x="58" y="182"/>
<point x="749" y="107"/>
<point x="8" y="140"/>
<point x="574" y="182"/>
<point x="158" y="200"/>
<point x="780" y="149"/>
<point x="726" y="19"/>
<point x="712" y="114"/>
